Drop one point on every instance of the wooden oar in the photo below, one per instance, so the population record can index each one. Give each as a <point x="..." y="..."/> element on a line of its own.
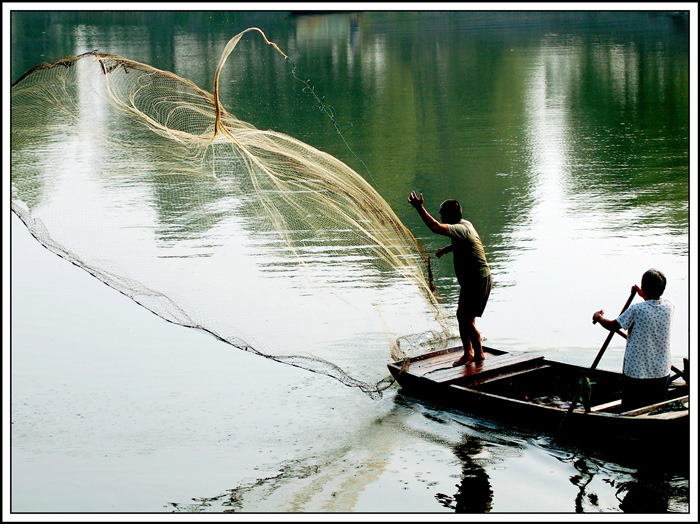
<point x="597" y="359"/>
<point x="612" y="333"/>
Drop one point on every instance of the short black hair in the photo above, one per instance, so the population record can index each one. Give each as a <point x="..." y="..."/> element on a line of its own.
<point x="653" y="284"/>
<point x="451" y="209"/>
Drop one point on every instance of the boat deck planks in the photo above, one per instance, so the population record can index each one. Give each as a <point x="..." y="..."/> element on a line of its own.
<point x="505" y="374"/>
<point x="441" y="369"/>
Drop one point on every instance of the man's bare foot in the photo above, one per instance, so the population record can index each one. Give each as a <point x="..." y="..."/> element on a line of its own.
<point x="466" y="359"/>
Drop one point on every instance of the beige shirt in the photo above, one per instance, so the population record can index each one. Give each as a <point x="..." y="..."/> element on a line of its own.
<point x="467" y="251"/>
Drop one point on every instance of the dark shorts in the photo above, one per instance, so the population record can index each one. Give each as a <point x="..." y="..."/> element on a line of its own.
<point x="473" y="295"/>
<point x="638" y="392"/>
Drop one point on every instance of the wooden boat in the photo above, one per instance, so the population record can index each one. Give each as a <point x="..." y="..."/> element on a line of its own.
<point x="528" y="390"/>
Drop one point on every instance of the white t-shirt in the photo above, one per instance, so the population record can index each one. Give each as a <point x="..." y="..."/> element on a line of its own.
<point x="648" y="353"/>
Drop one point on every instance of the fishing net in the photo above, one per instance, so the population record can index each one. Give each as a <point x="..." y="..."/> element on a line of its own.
<point x="143" y="179"/>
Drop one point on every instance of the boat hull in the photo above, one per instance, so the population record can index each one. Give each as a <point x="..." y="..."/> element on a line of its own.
<point x="536" y="393"/>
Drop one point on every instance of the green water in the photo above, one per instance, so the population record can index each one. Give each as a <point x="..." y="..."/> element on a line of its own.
<point x="565" y="136"/>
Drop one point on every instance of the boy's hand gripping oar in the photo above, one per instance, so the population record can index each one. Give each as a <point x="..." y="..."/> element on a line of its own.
<point x="597" y="359"/>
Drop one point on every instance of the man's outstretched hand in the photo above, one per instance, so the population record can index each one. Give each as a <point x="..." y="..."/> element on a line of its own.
<point x="415" y="200"/>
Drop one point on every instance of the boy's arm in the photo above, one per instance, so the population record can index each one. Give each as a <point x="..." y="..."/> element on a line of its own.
<point x="610" y="325"/>
<point x="639" y="291"/>
<point x="434" y="226"/>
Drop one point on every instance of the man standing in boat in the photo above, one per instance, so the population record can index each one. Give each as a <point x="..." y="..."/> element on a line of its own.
<point x="647" y="363"/>
<point x="471" y="269"/>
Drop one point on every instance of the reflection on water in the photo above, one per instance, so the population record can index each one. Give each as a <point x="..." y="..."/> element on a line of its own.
<point x="475" y="494"/>
<point x="653" y="494"/>
<point x="605" y="479"/>
<point x="646" y="488"/>
<point x="446" y="461"/>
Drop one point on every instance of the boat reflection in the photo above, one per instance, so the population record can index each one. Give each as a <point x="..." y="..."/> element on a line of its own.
<point x="518" y="464"/>
<point x="652" y="487"/>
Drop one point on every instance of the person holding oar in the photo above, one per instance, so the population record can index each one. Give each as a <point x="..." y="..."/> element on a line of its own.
<point x="471" y="268"/>
<point x="647" y="362"/>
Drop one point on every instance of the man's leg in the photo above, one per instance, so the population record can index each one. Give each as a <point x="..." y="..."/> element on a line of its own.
<point x="469" y="335"/>
<point x="472" y="302"/>
<point x="475" y="339"/>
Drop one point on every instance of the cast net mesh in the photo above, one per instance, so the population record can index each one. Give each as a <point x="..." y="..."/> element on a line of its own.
<point x="144" y="180"/>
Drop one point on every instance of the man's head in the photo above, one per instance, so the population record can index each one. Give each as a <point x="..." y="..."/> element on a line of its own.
<point x="653" y="284"/>
<point x="450" y="212"/>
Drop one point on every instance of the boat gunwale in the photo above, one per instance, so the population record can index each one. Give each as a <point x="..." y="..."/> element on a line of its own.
<point x="665" y="416"/>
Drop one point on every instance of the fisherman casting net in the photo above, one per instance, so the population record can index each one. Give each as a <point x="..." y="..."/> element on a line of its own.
<point x="144" y="180"/>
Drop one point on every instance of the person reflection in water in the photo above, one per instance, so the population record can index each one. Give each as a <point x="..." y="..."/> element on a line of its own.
<point x="474" y="493"/>
<point x="471" y="269"/>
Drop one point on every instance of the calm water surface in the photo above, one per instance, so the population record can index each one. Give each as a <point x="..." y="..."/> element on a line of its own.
<point x="566" y="138"/>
